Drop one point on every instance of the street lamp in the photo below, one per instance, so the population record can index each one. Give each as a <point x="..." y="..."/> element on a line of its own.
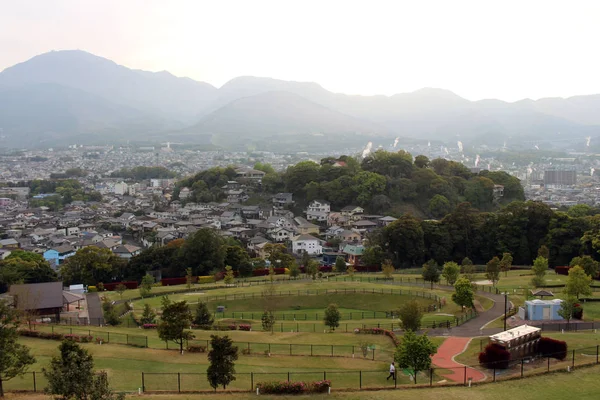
<point x="505" y="304"/>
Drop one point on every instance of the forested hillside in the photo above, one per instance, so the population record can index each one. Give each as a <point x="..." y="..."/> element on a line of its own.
<point x="384" y="182"/>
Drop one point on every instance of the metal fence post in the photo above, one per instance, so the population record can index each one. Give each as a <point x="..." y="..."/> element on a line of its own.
<point x="179" y="382"/>
<point x="548" y="364"/>
<point x="288" y="376"/>
<point x="331" y="350"/>
<point x="251" y="380"/>
<point x="573" y="362"/>
<point x="430" y="376"/>
<point x="597" y="348"/>
<point x="143" y="386"/>
<point x="522" y="361"/>
<point x="290" y="350"/>
<point x="34" y="383"/>
<point x="360" y="379"/>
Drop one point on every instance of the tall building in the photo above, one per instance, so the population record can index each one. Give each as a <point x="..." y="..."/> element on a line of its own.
<point x="560" y="177"/>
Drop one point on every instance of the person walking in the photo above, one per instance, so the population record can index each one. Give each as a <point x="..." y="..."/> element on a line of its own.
<point x="392" y="372"/>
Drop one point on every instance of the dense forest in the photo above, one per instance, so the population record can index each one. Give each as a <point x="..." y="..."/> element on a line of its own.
<point x="390" y="183"/>
<point x="140" y="173"/>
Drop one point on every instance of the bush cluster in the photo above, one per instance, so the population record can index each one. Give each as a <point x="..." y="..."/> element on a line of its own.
<point x="494" y="356"/>
<point x="149" y="326"/>
<point x="196" y="348"/>
<point x="59" y="336"/>
<point x="244" y="327"/>
<point x="379" y="331"/>
<point x="548" y="347"/>
<point x="285" y="387"/>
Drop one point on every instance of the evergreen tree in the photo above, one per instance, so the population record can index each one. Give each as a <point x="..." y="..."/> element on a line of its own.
<point x="431" y="272"/>
<point x="203" y="317"/>
<point x="340" y="264"/>
<point x="148" y="315"/>
<point x="414" y="352"/>
<point x="221" y="357"/>
<point x="228" y="278"/>
<point x="146" y="285"/>
<point x="463" y="293"/>
<point x="410" y="314"/>
<point x="176" y="318"/>
<point x="450" y="272"/>
<point x="492" y="270"/>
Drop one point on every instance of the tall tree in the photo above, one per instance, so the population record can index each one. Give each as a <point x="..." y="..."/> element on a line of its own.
<point x="404" y="238"/>
<point x="221" y="357"/>
<point x="492" y="270"/>
<point x="589" y="265"/>
<point x="414" y="352"/>
<point x="410" y="314"/>
<point x="90" y="265"/>
<point x="567" y="308"/>
<point x="14" y="357"/>
<point x="467" y="268"/>
<point x="431" y="272"/>
<point x="578" y="283"/>
<point x="463" y="293"/>
<point x="148" y="315"/>
<point x="372" y="256"/>
<point x="176" y="318"/>
<point x="228" y="278"/>
<point x="450" y="272"/>
<point x="544" y="252"/>
<point x="202" y="252"/>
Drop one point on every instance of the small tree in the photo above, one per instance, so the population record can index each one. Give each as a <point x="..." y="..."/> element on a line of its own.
<point x="176" y="318"/>
<point x="14" y="357"/>
<point x="410" y="315"/>
<point x="567" y="308"/>
<point x="468" y="269"/>
<point x="110" y="313"/>
<point x="539" y="268"/>
<point x="146" y="285"/>
<point x="414" y="352"/>
<point x="312" y="269"/>
<point x="350" y="270"/>
<point x="271" y="273"/>
<point x="340" y="264"/>
<point x="305" y="259"/>
<point x="578" y="283"/>
<point x="463" y="293"/>
<point x="450" y="272"/>
<point x="431" y="272"/>
<point x="332" y="316"/>
<point x="388" y="269"/>
<point x="203" y="317"/>
<point x="364" y="346"/>
<point x="294" y="270"/>
<point x="120" y="288"/>
<point x="148" y="315"/>
<point x="228" y="279"/>
<point x="492" y="270"/>
<point x="189" y="279"/>
<point x="222" y="357"/>
<point x="544" y="252"/>
<point x="506" y="263"/>
<point x="71" y="375"/>
<point x="268" y="321"/>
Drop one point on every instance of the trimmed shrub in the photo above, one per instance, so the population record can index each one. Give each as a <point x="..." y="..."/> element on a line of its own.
<point x="494" y="356"/>
<point x="206" y="279"/>
<point x="244" y="327"/>
<point x="548" y="347"/>
<point x="149" y="326"/>
<point x="578" y="311"/>
<point x="285" y="387"/>
<point x="92" y="289"/>
<point x="196" y="349"/>
<point x="232" y="327"/>
<point x="42" y="335"/>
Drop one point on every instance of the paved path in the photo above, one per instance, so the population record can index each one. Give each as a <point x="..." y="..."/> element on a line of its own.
<point x="94" y="309"/>
<point x="475" y="326"/>
<point x="444" y="358"/>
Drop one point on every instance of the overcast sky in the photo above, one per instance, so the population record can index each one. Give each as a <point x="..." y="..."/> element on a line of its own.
<point x="479" y="49"/>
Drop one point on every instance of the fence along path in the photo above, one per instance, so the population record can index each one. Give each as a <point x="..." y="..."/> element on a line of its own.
<point x="340" y="379"/>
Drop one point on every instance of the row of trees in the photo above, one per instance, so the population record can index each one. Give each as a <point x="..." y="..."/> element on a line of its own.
<point x="520" y="228"/>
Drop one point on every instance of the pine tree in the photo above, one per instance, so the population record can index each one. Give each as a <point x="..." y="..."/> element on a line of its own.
<point x="221" y="357"/>
<point x="148" y="315"/>
<point x="203" y="318"/>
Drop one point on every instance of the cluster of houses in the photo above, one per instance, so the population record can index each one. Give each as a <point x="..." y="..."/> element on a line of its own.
<point x="127" y="224"/>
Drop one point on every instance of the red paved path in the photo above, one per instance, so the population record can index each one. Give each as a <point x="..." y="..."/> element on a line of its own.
<point x="443" y="359"/>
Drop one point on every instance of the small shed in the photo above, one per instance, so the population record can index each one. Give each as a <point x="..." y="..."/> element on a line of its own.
<point x="39" y="298"/>
<point x="543" y="310"/>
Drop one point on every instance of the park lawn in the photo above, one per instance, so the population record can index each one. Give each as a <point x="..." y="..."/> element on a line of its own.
<point x="126" y="364"/>
<point x="582" y="385"/>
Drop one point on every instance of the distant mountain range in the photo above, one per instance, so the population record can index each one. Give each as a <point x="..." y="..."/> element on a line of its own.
<point x="65" y="96"/>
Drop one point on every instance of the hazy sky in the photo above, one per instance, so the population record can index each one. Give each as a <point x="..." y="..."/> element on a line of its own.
<point x="478" y="49"/>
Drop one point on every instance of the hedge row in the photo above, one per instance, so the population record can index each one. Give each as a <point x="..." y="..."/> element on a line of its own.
<point x="59" y="336"/>
<point x="285" y="387"/>
<point x="379" y="331"/>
